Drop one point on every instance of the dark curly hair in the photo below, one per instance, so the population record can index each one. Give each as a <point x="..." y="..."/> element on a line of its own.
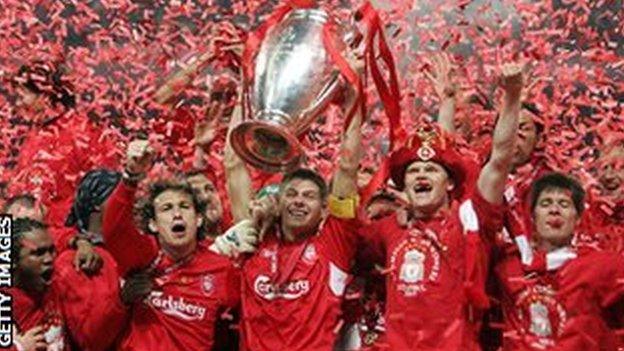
<point x="147" y="212"/>
<point x="19" y="227"/>
<point x="556" y="180"/>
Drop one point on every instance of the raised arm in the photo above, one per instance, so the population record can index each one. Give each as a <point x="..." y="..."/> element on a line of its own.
<point x="493" y="176"/>
<point x="181" y="79"/>
<point x="441" y="77"/>
<point x="218" y="45"/>
<point x="122" y="239"/>
<point x="239" y="187"/>
<point x="344" y="184"/>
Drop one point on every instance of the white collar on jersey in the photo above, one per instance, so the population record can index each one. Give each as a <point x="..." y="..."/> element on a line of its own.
<point x="558" y="257"/>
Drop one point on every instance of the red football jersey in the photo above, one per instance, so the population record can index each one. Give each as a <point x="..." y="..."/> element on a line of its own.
<point x="85" y="308"/>
<point x="292" y="292"/>
<point x="181" y="311"/>
<point x="436" y="273"/>
<point x="562" y="307"/>
<point x="29" y="313"/>
<point x="91" y="306"/>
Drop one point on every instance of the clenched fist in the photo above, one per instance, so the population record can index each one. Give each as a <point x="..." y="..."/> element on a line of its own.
<point x="139" y="157"/>
<point x="512" y="78"/>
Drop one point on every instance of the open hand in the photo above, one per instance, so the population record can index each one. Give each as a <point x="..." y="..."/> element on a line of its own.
<point x="442" y="76"/>
<point x="32" y="340"/>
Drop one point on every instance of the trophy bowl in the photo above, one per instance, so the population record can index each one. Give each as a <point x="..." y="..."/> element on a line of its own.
<point x="294" y="81"/>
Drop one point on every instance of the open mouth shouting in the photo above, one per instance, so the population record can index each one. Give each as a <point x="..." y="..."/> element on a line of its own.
<point x="178" y="228"/>
<point x="46" y="275"/>
<point x="422" y="187"/>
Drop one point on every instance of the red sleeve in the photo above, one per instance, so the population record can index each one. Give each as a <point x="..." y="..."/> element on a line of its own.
<point x="62" y="236"/>
<point x="611" y="288"/>
<point x="489" y="216"/>
<point x="90" y="304"/>
<point x="481" y="221"/>
<point x="338" y="240"/>
<point x="510" y="274"/>
<point x="130" y="248"/>
<point x="233" y="286"/>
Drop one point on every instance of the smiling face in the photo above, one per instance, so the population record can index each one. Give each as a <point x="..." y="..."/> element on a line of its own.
<point x="427" y="185"/>
<point x="175" y="222"/>
<point x="301" y="206"/>
<point x="555" y="217"/>
<point x="207" y="192"/>
<point x="34" y="267"/>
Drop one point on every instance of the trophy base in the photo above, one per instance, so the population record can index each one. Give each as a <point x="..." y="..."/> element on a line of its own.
<point x="266" y="146"/>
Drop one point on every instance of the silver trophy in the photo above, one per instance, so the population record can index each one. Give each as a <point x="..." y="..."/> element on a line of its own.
<point x="294" y="81"/>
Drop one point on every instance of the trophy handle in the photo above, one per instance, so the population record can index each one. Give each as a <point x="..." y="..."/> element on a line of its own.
<point x="246" y="100"/>
<point x="351" y="38"/>
<point x="324" y="98"/>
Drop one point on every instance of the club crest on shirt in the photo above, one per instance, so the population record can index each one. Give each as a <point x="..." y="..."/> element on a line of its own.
<point x="541" y="315"/>
<point x="309" y="255"/>
<point x="207" y="284"/>
<point x="417" y="263"/>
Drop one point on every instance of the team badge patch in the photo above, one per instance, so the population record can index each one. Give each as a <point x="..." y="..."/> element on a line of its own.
<point x="417" y="262"/>
<point x="208" y="284"/>
<point x="542" y="316"/>
<point x="309" y="255"/>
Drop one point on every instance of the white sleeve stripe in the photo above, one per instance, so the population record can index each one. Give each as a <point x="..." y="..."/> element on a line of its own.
<point x="526" y="253"/>
<point x="337" y="279"/>
<point x="468" y="217"/>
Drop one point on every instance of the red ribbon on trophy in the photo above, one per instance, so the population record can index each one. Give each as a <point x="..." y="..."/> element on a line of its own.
<point x="389" y="91"/>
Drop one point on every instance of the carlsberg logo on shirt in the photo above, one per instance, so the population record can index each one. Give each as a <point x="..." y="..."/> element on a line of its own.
<point x="289" y="290"/>
<point x="176" y="306"/>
